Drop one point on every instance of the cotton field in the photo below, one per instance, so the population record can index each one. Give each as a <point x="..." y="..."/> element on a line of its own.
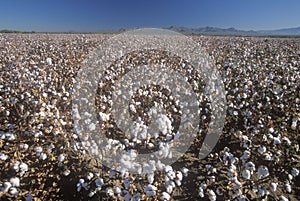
<point x="42" y="157"/>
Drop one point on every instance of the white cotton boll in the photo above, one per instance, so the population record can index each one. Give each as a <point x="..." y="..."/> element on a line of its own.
<point x="169" y="137"/>
<point x="23" y="168"/>
<point x="271" y="130"/>
<point x="49" y="61"/>
<point x="178" y="182"/>
<point x="282" y="198"/>
<point x="179" y="175"/>
<point x="211" y="195"/>
<point x="150" y="187"/>
<point x="171" y="175"/>
<point x="164" y="124"/>
<point x="246" y="155"/>
<point x="24" y="146"/>
<point x="262" y="149"/>
<point x="294" y="123"/>
<point x="38" y="149"/>
<point x="61" y="158"/>
<point x="295" y="172"/>
<point x="268" y="156"/>
<point x="185" y="171"/>
<point x="246" y="174"/>
<point x="288" y="187"/>
<point x="262" y="192"/>
<point x="99" y="182"/>
<point x="169" y="189"/>
<point x="16" y="166"/>
<point x="159" y="165"/>
<point x="117" y="190"/>
<point x="109" y="191"/>
<point x="150" y="178"/>
<point x="262" y="172"/>
<point x="273" y="186"/>
<point x="201" y="192"/>
<point x="3" y="157"/>
<point x="212" y="179"/>
<point x="103" y="116"/>
<point x="165" y="196"/>
<point x="43" y="156"/>
<point x="6" y="186"/>
<point x="92" y="193"/>
<point x="15" y="181"/>
<point x="286" y="140"/>
<point x="90" y="176"/>
<point x="168" y="168"/>
<point x="276" y="140"/>
<point x="13" y="191"/>
<point x="66" y="172"/>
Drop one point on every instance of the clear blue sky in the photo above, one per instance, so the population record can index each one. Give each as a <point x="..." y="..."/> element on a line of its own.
<point x="96" y="15"/>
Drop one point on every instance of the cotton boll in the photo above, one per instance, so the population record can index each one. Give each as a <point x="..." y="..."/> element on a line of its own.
<point x="262" y="192"/>
<point x="90" y="176"/>
<point x="99" y="182"/>
<point x="6" y="186"/>
<point x="169" y="189"/>
<point x="165" y="196"/>
<point x="286" y="140"/>
<point x="262" y="149"/>
<point x="273" y="186"/>
<point x="117" y="190"/>
<point x="103" y="116"/>
<point x="185" y="171"/>
<point x="211" y="195"/>
<point x="3" y="156"/>
<point x="91" y="194"/>
<point x="109" y="191"/>
<point x="246" y="174"/>
<point x="23" y="168"/>
<point x="150" y="178"/>
<point x="15" y="181"/>
<point x="43" y="156"/>
<point x="276" y="140"/>
<point x="13" y="191"/>
<point x="201" y="192"/>
<point x="179" y="175"/>
<point x="295" y="172"/>
<point x="246" y="155"/>
<point x="288" y="187"/>
<point x="66" y="172"/>
<point x="61" y="158"/>
<point x="262" y="172"/>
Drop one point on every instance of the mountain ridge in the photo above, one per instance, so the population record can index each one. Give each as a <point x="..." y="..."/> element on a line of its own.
<point x="295" y="31"/>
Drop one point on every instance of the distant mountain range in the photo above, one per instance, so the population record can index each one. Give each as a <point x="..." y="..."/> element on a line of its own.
<point x="203" y="30"/>
<point x="233" y="31"/>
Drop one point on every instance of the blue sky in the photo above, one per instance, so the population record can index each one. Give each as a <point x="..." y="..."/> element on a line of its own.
<point x="96" y="15"/>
